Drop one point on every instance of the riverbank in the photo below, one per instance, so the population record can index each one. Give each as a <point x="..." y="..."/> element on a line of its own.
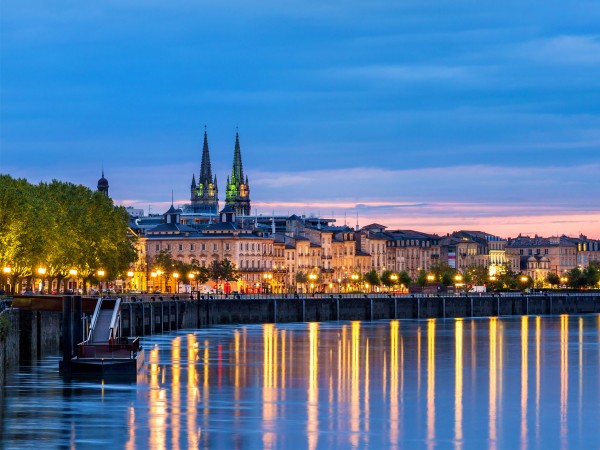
<point x="31" y="334"/>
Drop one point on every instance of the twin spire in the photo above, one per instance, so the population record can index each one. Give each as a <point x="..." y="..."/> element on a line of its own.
<point x="204" y="195"/>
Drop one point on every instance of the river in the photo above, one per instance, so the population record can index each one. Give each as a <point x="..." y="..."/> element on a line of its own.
<point x="526" y="382"/>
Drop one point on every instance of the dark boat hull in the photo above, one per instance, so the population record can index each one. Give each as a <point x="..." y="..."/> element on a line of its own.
<point x="117" y="369"/>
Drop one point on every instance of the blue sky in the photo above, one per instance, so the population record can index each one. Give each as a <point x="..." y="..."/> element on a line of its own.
<point x="417" y="114"/>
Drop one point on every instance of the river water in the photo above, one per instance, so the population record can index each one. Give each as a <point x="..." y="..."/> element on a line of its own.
<point x="530" y="382"/>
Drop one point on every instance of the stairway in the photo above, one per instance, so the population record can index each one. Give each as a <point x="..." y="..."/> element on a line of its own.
<point x="102" y="328"/>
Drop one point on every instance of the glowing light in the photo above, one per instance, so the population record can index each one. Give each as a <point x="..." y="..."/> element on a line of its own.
<point x="73" y="272"/>
<point x="42" y="271"/>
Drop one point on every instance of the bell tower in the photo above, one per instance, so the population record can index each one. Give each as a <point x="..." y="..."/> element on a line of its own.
<point x="238" y="189"/>
<point x="205" y="194"/>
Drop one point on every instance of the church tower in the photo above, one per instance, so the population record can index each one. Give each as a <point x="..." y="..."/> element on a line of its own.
<point x="238" y="190"/>
<point x="103" y="184"/>
<point x="204" y="195"/>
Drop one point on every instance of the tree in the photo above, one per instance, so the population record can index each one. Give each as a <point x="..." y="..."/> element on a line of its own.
<point x="61" y="226"/>
<point x="372" y="278"/>
<point x="553" y="279"/>
<point x="591" y="274"/>
<point x="404" y="278"/>
<point x="223" y="271"/>
<point x="386" y="278"/>
<point x="422" y="278"/>
<point x="477" y="275"/>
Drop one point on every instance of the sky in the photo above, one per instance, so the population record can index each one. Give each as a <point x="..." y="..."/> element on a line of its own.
<point x="416" y="114"/>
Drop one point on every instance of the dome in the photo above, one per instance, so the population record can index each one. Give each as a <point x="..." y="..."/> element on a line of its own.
<point x="102" y="182"/>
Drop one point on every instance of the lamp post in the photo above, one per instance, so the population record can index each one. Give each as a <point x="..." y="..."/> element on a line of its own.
<point x="191" y="277"/>
<point x="268" y="277"/>
<point x="313" y="279"/>
<point x="458" y="280"/>
<point x="73" y="273"/>
<point x="563" y="281"/>
<point x="42" y="272"/>
<point x="130" y="276"/>
<point x="431" y="278"/>
<point x="394" y="278"/>
<point x="158" y="274"/>
<point x="176" y="276"/>
<point x="339" y="280"/>
<point x="101" y="274"/>
<point x="153" y="275"/>
<point x="355" y="278"/>
<point x="6" y="271"/>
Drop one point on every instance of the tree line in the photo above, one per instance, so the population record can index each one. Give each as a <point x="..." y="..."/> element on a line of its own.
<point x="61" y="227"/>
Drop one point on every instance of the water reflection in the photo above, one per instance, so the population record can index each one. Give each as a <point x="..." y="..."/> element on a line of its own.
<point x="487" y="383"/>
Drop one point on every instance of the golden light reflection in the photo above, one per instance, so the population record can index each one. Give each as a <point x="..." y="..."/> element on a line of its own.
<point x="524" y="378"/>
<point x="538" y="364"/>
<point x="312" y="426"/>
<point x="355" y="385"/>
<point x="564" y="377"/>
<point x="431" y="383"/>
<point x="419" y="360"/>
<point x="175" y="392"/>
<point x="269" y="391"/>
<point x="157" y="414"/>
<point x="193" y="393"/>
<point x="130" y="444"/>
<point x="458" y="384"/>
<point x="395" y="423"/>
<point x="493" y="394"/>
<point x="366" y="390"/>
<point x="580" y="367"/>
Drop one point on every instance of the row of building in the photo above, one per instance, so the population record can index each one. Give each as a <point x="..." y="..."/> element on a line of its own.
<point x="328" y="255"/>
<point x="270" y="251"/>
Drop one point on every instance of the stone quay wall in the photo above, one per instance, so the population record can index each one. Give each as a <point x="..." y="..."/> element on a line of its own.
<point x="31" y="335"/>
<point x="145" y="318"/>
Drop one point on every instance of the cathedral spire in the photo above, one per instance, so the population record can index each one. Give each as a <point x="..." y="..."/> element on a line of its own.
<point x="205" y="169"/>
<point x="237" y="172"/>
<point x="204" y="195"/>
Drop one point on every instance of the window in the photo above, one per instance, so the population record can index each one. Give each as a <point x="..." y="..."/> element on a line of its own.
<point x="157" y="247"/>
<point x="215" y="247"/>
<point x="203" y="246"/>
<point x="180" y="247"/>
<point x="226" y="246"/>
<point x="169" y="247"/>
<point x="192" y="247"/>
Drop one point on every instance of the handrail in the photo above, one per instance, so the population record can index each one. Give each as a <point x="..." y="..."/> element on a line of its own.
<point x="114" y="318"/>
<point x="94" y="319"/>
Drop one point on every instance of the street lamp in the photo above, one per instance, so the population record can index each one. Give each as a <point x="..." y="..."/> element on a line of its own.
<point x="176" y="276"/>
<point x="42" y="272"/>
<point x="564" y="280"/>
<point x="394" y="278"/>
<point x="191" y="277"/>
<point x="6" y="271"/>
<point x="158" y="274"/>
<point x="268" y="277"/>
<point x="73" y="273"/>
<point x="130" y="275"/>
<point x="312" y="278"/>
<point x="430" y="278"/>
<point x="101" y="274"/>
<point x="153" y="275"/>
<point x="355" y="278"/>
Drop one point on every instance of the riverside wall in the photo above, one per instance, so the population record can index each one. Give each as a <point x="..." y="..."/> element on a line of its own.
<point x="145" y="318"/>
<point x="30" y="335"/>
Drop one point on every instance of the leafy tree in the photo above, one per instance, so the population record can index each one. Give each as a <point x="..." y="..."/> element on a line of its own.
<point x="223" y="271"/>
<point x="404" y="278"/>
<point x="422" y="278"/>
<point x="553" y="279"/>
<point x="576" y="278"/>
<point x="386" y="278"/>
<point x="477" y="275"/>
<point x="372" y="278"/>
<point x="591" y="274"/>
